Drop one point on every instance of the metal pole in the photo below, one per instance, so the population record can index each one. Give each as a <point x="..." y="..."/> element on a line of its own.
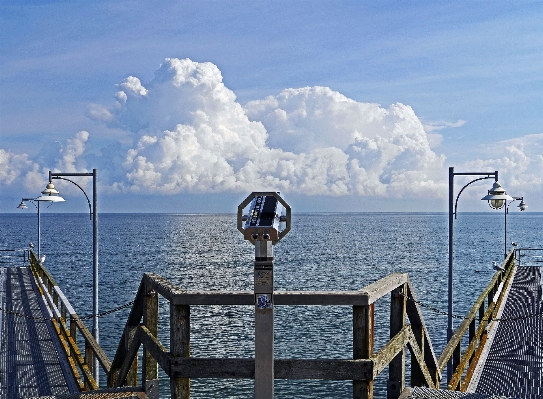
<point x="450" y="281"/>
<point x="263" y="280"/>
<point x="505" y="231"/>
<point x="39" y="230"/>
<point x="95" y="331"/>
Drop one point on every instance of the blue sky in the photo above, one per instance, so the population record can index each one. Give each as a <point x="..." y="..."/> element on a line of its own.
<point x="342" y="106"/>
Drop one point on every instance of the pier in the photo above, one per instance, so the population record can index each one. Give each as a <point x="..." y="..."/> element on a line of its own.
<point x="46" y="350"/>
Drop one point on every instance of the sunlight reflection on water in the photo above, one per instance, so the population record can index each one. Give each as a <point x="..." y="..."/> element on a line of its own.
<point x="322" y="252"/>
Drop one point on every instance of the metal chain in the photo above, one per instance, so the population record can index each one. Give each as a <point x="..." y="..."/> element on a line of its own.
<point x="107" y="311"/>
<point x="101" y="314"/>
<point x="435" y="310"/>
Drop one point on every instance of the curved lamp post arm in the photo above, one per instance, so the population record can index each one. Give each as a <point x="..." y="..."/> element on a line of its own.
<point x="86" y="196"/>
<point x="463" y="188"/>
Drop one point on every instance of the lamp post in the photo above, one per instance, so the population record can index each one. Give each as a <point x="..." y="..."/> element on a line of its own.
<point x="94" y="216"/>
<point x="48" y="195"/>
<point x="522" y="207"/>
<point x="494" y="197"/>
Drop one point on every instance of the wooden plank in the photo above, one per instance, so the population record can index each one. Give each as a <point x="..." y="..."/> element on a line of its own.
<point x="419" y="361"/>
<point x="129" y="360"/>
<point x="134" y="319"/>
<point x="96" y="348"/>
<point x="328" y="369"/>
<point x="382" y="287"/>
<point x="390" y="350"/>
<point x="159" y="284"/>
<point x="157" y="350"/>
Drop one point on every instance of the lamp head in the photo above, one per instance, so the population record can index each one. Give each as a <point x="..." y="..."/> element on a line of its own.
<point x="497" y="196"/>
<point x="522" y="206"/>
<point x="50" y="194"/>
<point x="22" y="205"/>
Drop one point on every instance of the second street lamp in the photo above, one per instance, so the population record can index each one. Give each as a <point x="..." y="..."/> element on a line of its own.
<point x="50" y="194"/>
<point x="497" y="197"/>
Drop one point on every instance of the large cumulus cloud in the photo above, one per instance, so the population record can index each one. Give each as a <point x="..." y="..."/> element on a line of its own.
<point x="192" y="135"/>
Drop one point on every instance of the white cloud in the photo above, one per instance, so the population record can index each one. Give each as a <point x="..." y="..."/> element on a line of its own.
<point x="69" y="155"/>
<point x="191" y="135"/>
<point x="519" y="162"/>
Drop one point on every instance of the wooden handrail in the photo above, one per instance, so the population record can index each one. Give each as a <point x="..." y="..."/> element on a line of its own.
<point x="180" y="367"/>
<point x="67" y="325"/>
<point x="452" y="349"/>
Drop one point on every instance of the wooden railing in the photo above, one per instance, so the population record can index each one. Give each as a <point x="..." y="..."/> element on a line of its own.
<point x="475" y="324"/>
<point x="142" y="330"/>
<point x="68" y="325"/>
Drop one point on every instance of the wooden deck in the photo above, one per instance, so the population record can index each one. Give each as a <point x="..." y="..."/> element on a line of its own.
<point x="31" y="363"/>
<point x="511" y="365"/>
<point x="514" y="363"/>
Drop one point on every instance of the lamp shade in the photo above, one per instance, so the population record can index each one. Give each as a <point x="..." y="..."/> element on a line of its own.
<point x="50" y="194"/>
<point x="50" y="198"/>
<point x="22" y="205"/>
<point x="522" y="206"/>
<point x="497" y="196"/>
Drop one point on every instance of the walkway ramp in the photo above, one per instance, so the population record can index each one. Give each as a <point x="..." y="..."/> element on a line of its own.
<point x="512" y="365"/>
<point x="31" y="362"/>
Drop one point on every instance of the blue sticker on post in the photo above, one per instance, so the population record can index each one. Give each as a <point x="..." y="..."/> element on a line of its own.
<point x="263" y="301"/>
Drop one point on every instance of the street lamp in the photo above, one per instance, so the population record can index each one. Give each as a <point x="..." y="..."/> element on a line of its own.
<point x="94" y="216"/>
<point x="496" y="194"/>
<point x="48" y="195"/>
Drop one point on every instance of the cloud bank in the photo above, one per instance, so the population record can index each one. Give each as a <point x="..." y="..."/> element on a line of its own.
<point x="189" y="134"/>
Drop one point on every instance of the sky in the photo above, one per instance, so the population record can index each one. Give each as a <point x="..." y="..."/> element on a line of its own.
<point x="189" y="106"/>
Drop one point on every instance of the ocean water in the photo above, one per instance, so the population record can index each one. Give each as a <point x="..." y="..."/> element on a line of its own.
<point x="323" y="251"/>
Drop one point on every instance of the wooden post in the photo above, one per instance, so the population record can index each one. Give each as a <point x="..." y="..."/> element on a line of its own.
<point x="396" y="369"/>
<point x="363" y="340"/>
<point x="150" y="381"/>
<point x="132" y="376"/>
<point x="89" y="360"/>
<point x="179" y="347"/>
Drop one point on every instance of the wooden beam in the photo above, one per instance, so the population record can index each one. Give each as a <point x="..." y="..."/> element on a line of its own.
<point x="293" y="369"/>
<point x="363" y="345"/>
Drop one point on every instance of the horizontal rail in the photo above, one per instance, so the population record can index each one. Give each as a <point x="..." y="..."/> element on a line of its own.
<point x="366" y="296"/>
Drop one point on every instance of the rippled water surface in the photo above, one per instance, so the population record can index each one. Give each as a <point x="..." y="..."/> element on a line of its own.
<point x="336" y="251"/>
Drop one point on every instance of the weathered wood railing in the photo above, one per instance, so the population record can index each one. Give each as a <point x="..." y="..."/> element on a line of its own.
<point x="142" y="330"/>
<point x="67" y="325"/>
<point x="475" y="325"/>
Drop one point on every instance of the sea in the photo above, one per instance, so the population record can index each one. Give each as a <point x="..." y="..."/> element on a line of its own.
<point x="322" y="252"/>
